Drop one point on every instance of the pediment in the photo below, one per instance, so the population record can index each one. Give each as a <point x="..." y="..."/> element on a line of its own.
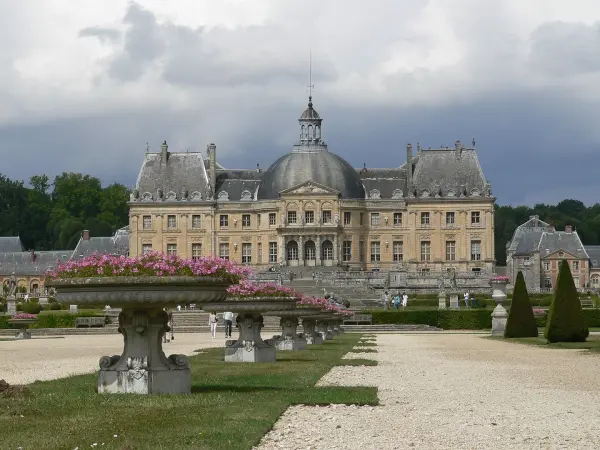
<point x="560" y="253"/>
<point x="310" y="187"/>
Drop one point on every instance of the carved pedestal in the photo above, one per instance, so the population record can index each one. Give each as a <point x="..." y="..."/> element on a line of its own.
<point x="11" y="305"/>
<point x="331" y="327"/>
<point x="499" y="315"/>
<point x="310" y="334"/>
<point x="454" y="301"/>
<point x="289" y="339"/>
<point x="442" y="301"/>
<point x="323" y="327"/>
<point x="24" y="333"/>
<point x="143" y="367"/>
<point x="249" y="347"/>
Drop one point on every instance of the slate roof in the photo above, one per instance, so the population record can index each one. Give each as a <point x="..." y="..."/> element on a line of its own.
<point x="25" y="264"/>
<point x="111" y="245"/>
<point x="11" y="244"/>
<point x="449" y="170"/>
<point x="526" y="237"/>
<point x="180" y="173"/>
<point x="386" y="181"/>
<point x="235" y="182"/>
<point x="593" y="252"/>
<point x="552" y="241"/>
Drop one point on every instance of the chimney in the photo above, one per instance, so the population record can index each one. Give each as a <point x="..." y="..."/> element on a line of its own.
<point x="164" y="152"/>
<point x="211" y="149"/>
<point x="409" y="166"/>
<point x="568" y="228"/>
<point x="85" y="235"/>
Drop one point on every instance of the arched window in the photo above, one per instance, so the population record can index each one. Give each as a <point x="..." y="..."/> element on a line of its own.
<point x="292" y="251"/>
<point x="310" y="132"/>
<point x="310" y="251"/>
<point x="327" y="250"/>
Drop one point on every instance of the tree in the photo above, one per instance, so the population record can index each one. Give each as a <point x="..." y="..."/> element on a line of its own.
<point x="565" y="319"/>
<point x="113" y="206"/>
<point x="77" y="194"/>
<point x="521" y="322"/>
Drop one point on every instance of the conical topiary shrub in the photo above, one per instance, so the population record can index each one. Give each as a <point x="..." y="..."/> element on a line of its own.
<point x="565" y="319"/>
<point x="521" y="322"/>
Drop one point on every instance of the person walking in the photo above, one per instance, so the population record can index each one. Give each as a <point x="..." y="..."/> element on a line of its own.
<point x="397" y="301"/>
<point x="228" y="319"/>
<point x="404" y="300"/>
<point x="212" y="321"/>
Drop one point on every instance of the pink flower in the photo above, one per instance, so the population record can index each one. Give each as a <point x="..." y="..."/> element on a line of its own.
<point x="24" y="316"/>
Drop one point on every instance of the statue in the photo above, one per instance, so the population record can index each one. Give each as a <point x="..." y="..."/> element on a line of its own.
<point x="135" y="194"/>
<point x="12" y="285"/>
<point x="453" y="280"/>
<point x="441" y="284"/>
<point x="336" y="219"/>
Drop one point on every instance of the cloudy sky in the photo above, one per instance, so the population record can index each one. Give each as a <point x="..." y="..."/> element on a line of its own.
<point x="84" y="85"/>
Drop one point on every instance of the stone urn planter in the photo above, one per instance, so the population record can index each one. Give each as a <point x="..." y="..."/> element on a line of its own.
<point x="142" y="368"/>
<point x="290" y="339"/>
<point x="23" y="324"/>
<point x="499" y="315"/>
<point x="310" y="331"/>
<point x="250" y="347"/>
<point x="325" y="325"/>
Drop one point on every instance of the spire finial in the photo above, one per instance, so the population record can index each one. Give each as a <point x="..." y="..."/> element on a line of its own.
<point x="310" y="85"/>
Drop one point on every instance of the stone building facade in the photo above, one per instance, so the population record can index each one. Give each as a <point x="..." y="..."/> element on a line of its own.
<point x="312" y="209"/>
<point x="537" y="248"/>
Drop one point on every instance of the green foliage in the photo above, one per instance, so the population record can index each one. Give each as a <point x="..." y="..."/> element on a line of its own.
<point x="565" y="319"/>
<point x="48" y="219"/>
<point x="32" y="307"/>
<point x="56" y="319"/>
<point x="521" y="322"/>
<point x="462" y="319"/>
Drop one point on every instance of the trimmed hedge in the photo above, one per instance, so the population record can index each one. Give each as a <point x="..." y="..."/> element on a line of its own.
<point x="55" y="319"/>
<point x="462" y="319"/>
<point x="521" y="322"/>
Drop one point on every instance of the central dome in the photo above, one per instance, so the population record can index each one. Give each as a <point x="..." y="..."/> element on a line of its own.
<point x="320" y="167"/>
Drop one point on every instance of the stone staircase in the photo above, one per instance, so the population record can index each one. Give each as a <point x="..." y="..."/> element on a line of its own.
<point x="359" y="296"/>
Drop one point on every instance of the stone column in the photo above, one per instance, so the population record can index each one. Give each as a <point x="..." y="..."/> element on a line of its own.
<point x="317" y="250"/>
<point x="301" y="250"/>
<point x="282" y="245"/>
<point x="11" y="305"/>
<point x="335" y="249"/>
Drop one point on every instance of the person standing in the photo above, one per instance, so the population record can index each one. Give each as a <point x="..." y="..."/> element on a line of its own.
<point x="404" y="300"/>
<point x="228" y="319"/>
<point x="467" y="300"/>
<point x="212" y="321"/>
<point x="397" y="301"/>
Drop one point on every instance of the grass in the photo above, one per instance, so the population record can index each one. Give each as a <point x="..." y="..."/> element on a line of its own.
<point x="367" y="344"/>
<point x="365" y="350"/>
<point x="357" y="362"/>
<point x="592" y="344"/>
<point x="231" y="407"/>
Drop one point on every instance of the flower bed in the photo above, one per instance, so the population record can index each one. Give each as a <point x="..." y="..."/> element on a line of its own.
<point x="152" y="264"/>
<point x="499" y="279"/>
<point x="247" y="289"/>
<point x="23" y="316"/>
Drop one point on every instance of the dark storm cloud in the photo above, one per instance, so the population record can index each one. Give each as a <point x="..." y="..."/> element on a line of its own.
<point x="187" y="57"/>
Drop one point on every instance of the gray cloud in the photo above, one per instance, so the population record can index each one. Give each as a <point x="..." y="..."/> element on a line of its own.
<point x="105" y="35"/>
<point x="563" y="49"/>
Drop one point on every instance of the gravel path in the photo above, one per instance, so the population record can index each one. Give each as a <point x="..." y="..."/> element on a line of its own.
<point x="25" y="361"/>
<point x="455" y="392"/>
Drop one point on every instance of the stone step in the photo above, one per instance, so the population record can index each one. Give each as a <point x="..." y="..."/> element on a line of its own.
<point x="388" y="328"/>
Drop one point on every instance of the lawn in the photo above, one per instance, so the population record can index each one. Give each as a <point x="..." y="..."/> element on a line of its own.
<point x="592" y="344"/>
<point x="231" y="407"/>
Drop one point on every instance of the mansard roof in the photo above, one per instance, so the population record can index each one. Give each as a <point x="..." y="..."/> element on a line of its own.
<point x="237" y="182"/>
<point x="177" y="174"/>
<point x="110" y="245"/>
<point x="11" y="244"/>
<point x="593" y="252"/>
<point x="569" y="242"/>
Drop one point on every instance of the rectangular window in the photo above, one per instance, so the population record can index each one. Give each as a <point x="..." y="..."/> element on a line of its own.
<point x="526" y="260"/>
<point x="546" y="265"/>
<point x="425" y="251"/>
<point x="171" y="221"/>
<point x="171" y="249"/>
<point x="196" y="222"/>
<point x="362" y="218"/>
<point x="475" y="250"/>
<point x="575" y="266"/>
<point x="375" y="251"/>
<point x="347" y="250"/>
<point x="272" y="219"/>
<point x="548" y="283"/>
<point x="196" y="251"/>
<point x="146" y="248"/>
<point x="450" y="250"/>
<point x="326" y="216"/>
<point x="246" y="220"/>
<point x="259" y="253"/>
<point x="291" y="217"/>
<point x="450" y="218"/>
<point x="397" y="219"/>
<point x="224" y="220"/>
<point x="374" y="219"/>
<point x="147" y="222"/>
<point x="361" y="250"/>
<point x="246" y="253"/>
<point x="475" y="217"/>
<point x="224" y="250"/>
<point x="424" y="219"/>
<point x="397" y="251"/>
<point x="347" y="217"/>
<point x="309" y="216"/>
<point x="272" y="252"/>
